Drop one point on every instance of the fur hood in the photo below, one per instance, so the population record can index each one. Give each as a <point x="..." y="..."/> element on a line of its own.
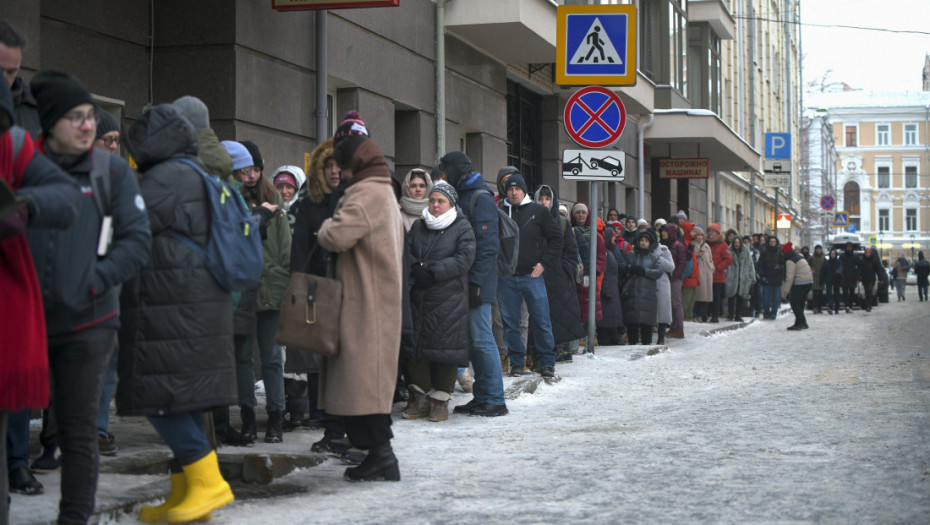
<point x="316" y="183"/>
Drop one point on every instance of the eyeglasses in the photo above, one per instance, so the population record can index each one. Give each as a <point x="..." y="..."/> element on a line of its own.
<point x="109" y="141"/>
<point x="77" y="120"/>
<point x="245" y="172"/>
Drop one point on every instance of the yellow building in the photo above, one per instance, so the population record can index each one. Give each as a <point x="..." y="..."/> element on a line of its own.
<point x="882" y="168"/>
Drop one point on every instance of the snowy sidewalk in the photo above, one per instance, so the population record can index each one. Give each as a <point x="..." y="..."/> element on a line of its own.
<point x="756" y="425"/>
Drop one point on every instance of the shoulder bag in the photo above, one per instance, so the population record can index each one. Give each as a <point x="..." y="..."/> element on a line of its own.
<point x="310" y="312"/>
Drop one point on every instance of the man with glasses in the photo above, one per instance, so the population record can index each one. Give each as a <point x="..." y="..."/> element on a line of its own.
<point x="80" y="271"/>
<point x="107" y="132"/>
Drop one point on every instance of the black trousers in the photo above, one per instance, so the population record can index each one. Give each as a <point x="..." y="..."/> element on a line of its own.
<point x="78" y="363"/>
<point x="797" y="300"/>
<point x="369" y="431"/>
<point x="848" y="293"/>
<point x="720" y="289"/>
<point x="637" y="333"/>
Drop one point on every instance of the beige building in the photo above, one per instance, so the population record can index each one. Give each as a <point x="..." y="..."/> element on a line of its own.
<point x="882" y="167"/>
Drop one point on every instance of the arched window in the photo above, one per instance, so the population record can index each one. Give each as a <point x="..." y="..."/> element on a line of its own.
<point x="851" y="202"/>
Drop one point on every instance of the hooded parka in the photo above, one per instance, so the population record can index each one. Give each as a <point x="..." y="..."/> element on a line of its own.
<point x="638" y="292"/>
<point x="176" y="346"/>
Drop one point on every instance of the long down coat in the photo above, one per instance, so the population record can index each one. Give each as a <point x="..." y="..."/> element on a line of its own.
<point x="367" y="233"/>
<point x="638" y="292"/>
<point x="664" y="286"/>
<point x="176" y="344"/>
<point x="440" y="312"/>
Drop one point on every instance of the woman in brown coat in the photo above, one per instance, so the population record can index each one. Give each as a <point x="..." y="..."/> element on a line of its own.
<point x="366" y="233"/>
<point x="704" y="294"/>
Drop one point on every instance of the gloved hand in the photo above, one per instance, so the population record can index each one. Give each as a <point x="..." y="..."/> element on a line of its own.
<point x="637" y="270"/>
<point x="474" y="295"/>
<point x="422" y="278"/>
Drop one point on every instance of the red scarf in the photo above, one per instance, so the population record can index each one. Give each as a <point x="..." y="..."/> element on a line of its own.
<point x="23" y="347"/>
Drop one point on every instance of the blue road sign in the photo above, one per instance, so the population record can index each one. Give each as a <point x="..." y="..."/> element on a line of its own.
<point x="594" y="117"/>
<point x="596" y="44"/>
<point x="778" y="145"/>
<point x="827" y="202"/>
<point x="840" y="218"/>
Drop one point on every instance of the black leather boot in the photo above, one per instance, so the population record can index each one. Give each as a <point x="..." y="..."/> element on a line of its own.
<point x="381" y="464"/>
<point x="247" y="414"/>
<point x="662" y="329"/>
<point x="274" y="433"/>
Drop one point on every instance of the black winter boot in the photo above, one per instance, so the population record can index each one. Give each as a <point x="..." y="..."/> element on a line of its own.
<point x="662" y="329"/>
<point x="274" y="433"/>
<point x="381" y="464"/>
<point x="247" y="414"/>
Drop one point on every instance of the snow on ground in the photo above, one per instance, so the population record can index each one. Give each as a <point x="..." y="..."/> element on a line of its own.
<point x="757" y="425"/>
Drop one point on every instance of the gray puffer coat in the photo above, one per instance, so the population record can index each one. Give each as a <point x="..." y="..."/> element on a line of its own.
<point x="638" y="291"/>
<point x="440" y="311"/>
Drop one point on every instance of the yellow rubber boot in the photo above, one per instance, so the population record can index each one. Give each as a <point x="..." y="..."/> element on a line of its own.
<point x="159" y="513"/>
<point x="206" y="491"/>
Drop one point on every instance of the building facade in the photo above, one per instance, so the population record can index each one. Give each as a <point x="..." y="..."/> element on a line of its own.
<point x="431" y="76"/>
<point x="883" y="156"/>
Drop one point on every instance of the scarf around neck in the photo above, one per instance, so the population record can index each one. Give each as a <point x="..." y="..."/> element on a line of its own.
<point x="439" y="223"/>
<point x="412" y="206"/>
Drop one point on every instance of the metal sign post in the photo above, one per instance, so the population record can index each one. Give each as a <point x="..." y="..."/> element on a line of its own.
<point x="592" y="271"/>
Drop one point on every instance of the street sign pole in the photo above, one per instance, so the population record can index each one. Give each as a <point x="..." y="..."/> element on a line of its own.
<point x="592" y="271"/>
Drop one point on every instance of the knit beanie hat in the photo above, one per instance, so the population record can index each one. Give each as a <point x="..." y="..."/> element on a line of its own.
<point x="787" y="247"/>
<point x="446" y="189"/>
<point x="57" y="93"/>
<point x="105" y="123"/>
<point x="715" y="226"/>
<point x="659" y="223"/>
<point x="240" y="156"/>
<point x="642" y="222"/>
<point x="351" y="124"/>
<point x="696" y="230"/>
<point x="682" y="215"/>
<point x="194" y="110"/>
<point x="515" y="179"/>
<point x="255" y="153"/>
<point x="563" y="209"/>
<point x="288" y="175"/>
<point x="579" y="206"/>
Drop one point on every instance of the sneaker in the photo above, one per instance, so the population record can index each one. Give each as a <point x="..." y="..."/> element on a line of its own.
<point x="49" y="461"/>
<point x="489" y="410"/>
<point x="106" y="444"/>
<point x="467" y="407"/>
<point x="23" y="482"/>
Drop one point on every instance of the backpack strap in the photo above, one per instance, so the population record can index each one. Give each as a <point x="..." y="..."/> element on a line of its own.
<point x="100" y="181"/>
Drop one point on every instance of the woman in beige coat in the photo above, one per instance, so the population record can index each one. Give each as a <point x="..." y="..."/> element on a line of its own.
<point x="704" y="293"/>
<point x="367" y="235"/>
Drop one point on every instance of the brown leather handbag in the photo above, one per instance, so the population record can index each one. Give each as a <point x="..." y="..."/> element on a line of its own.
<point x="310" y="313"/>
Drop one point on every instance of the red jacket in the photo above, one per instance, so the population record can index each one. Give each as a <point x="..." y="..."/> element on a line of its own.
<point x="720" y="251"/>
<point x="23" y="351"/>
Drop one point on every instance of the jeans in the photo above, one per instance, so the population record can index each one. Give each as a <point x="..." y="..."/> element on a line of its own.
<point x="771" y="296"/>
<point x="77" y="363"/>
<point x="510" y="290"/>
<point x="833" y="297"/>
<point x="272" y="357"/>
<point x="485" y="359"/>
<point x="798" y="298"/>
<point x="17" y="440"/>
<point x="109" y="385"/>
<point x="184" y="434"/>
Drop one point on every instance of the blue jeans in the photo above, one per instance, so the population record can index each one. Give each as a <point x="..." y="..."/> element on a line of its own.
<point x="109" y="385"/>
<point x="272" y="357"/>
<point x="484" y="357"/>
<point x="771" y="296"/>
<point x="184" y="434"/>
<point x="510" y="291"/>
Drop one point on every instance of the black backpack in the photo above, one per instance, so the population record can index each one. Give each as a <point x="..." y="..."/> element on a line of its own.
<point x="508" y="235"/>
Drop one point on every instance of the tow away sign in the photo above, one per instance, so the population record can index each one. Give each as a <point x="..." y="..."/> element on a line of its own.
<point x="593" y="165"/>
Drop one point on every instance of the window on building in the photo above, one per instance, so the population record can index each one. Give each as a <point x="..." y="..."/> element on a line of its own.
<point x="678" y="45"/>
<point x="884" y="177"/>
<point x="910" y="176"/>
<point x="882" y="134"/>
<point x="910" y="134"/>
<point x="910" y="219"/>
<point x="850" y="136"/>
<point x="884" y="220"/>
<point x="704" y="68"/>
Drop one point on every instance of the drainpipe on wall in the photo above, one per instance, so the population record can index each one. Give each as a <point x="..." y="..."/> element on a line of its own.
<point x="322" y="72"/>
<point x="440" y="109"/>
<point x="640" y="131"/>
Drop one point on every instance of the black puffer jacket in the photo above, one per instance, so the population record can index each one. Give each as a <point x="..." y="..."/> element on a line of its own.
<point x="638" y="292"/>
<point x="610" y="294"/>
<point x="440" y="311"/>
<point x="850" y="262"/>
<point x="560" y="281"/>
<point x="831" y="272"/>
<point x="176" y="351"/>
<point x="771" y="266"/>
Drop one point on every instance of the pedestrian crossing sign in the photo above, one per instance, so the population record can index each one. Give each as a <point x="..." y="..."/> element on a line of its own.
<point x="596" y="44"/>
<point x="841" y="219"/>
